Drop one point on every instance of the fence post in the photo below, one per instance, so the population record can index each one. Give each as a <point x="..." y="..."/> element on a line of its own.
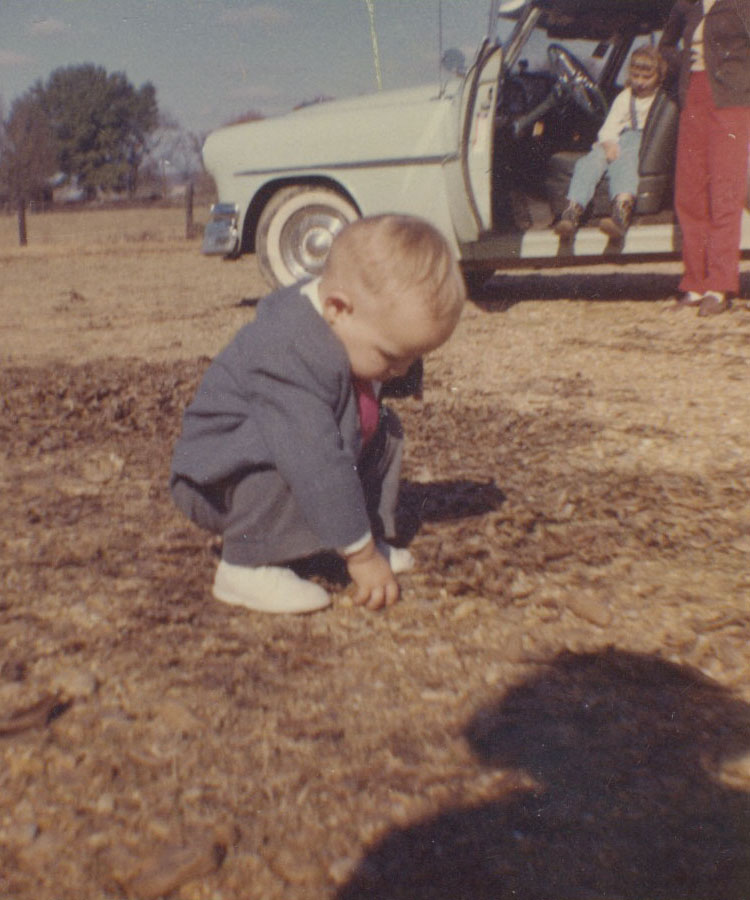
<point x="22" y="239"/>
<point x="189" y="211"/>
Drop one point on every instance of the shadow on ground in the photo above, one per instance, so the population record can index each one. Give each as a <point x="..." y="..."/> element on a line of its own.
<point x="433" y="501"/>
<point x="623" y="752"/>
<point x="441" y="501"/>
<point x="505" y="289"/>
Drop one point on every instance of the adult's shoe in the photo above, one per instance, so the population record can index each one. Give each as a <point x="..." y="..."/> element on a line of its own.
<point x="712" y="304"/>
<point x="686" y="300"/>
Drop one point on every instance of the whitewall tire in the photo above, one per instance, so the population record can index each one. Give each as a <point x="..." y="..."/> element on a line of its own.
<point x="296" y="229"/>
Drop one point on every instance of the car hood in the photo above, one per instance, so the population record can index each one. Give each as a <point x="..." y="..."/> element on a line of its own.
<point x="405" y="124"/>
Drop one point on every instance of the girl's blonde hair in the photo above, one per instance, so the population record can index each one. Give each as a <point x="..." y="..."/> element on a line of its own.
<point x="650" y="58"/>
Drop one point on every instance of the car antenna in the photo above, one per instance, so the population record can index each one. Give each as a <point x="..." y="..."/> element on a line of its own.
<point x="441" y="86"/>
<point x="492" y="21"/>
<point x="374" y="38"/>
<point x="448" y="59"/>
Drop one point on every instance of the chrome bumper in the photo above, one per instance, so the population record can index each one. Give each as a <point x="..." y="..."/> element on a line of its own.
<point x="221" y="236"/>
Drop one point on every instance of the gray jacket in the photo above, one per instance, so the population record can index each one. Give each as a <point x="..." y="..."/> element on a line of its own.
<point x="280" y="396"/>
<point x="726" y="38"/>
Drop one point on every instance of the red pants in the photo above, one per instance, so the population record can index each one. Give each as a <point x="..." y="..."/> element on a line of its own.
<point x="711" y="183"/>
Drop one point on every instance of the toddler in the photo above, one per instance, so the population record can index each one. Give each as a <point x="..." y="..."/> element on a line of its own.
<point x="285" y="450"/>
<point x="616" y="152"/>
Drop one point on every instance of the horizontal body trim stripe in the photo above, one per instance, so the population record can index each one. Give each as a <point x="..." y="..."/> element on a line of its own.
<point x="363" y="164"/>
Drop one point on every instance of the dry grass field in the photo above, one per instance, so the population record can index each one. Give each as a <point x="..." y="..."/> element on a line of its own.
<point x="557" y="709"/>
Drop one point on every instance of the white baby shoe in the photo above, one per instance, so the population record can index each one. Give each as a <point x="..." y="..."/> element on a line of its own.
<point x="399" y="558"/>
<point x="271" y="589"/>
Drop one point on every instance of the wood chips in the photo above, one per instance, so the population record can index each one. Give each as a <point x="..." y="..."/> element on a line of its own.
<point x="559" y="706"/>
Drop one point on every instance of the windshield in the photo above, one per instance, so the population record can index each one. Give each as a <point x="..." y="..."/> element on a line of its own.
<point x="532" y="54"/>
<point x="526" y="31"/>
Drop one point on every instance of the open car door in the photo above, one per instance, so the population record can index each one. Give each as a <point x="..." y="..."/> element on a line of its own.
<point x="469" y="173"/>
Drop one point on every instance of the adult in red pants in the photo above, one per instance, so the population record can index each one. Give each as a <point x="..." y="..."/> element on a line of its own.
<point x="712" y="151"/>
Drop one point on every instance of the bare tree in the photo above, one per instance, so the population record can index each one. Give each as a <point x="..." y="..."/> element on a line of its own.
<point x="174" y="151"/>
<point x="28" y="156"/>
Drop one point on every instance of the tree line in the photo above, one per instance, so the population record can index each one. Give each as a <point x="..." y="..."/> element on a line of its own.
<point x="95" y="131"/>
<point x="84" y="123"/>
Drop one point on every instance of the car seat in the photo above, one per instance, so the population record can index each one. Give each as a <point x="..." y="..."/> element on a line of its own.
<point x="655" y="166"/>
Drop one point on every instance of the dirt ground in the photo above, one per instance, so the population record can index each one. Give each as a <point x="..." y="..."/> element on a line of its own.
<point x="559" y="706"/>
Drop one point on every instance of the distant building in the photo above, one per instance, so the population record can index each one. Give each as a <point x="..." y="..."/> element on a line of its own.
<point x="65" y="189"/>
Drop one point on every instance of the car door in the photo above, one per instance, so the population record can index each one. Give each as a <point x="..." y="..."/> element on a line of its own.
<point x="469" y="172"/>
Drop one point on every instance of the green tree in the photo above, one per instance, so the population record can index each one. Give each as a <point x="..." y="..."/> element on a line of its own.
<point x="28" y="155"/>
<point x="101" y="123"/>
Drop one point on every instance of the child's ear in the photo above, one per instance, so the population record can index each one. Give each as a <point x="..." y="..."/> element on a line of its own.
<point x="335" y="305"/>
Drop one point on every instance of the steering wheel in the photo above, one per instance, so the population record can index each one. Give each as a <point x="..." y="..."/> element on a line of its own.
<point x="575" y="82"/>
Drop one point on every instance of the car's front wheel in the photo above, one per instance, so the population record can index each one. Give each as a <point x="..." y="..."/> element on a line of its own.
<point x="296" y="230"/>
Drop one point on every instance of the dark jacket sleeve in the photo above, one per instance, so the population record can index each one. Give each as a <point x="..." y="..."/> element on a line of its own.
<point x="726" y="43"/>
<point x="313" y="444"/>
<point x="669" y="44"/>
<point x="727" y="50"/>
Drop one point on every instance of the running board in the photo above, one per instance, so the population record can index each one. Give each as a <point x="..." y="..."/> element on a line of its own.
<point x="543" y="244"/>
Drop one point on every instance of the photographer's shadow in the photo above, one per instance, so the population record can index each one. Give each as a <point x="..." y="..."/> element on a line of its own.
<point x="625" y="751"/>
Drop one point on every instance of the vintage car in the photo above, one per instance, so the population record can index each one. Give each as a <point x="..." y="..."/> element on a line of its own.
<point x="486" y="155"/>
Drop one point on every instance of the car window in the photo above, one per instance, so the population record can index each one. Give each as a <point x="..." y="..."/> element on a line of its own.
<point x="533" y="58"/>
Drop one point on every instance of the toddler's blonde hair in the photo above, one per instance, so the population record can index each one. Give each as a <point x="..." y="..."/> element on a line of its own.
<point x="393" y="255"/>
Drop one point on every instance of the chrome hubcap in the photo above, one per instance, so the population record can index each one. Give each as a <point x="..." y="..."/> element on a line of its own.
<point x="307" y="236"/>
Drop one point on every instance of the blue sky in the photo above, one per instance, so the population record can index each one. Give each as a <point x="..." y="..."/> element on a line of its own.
<point x="211" y="60"/>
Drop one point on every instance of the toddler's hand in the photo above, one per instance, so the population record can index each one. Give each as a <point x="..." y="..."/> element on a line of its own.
<point x="611" y="150"/>
<point x="372" y="575"/>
